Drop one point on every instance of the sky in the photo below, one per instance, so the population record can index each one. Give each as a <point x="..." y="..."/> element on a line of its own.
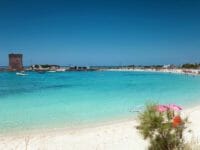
<point x="100" y="32"/>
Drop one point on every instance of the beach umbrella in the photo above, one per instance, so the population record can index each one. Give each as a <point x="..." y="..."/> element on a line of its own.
<point x="174" y="107"/>
<point x="161" y="108"/>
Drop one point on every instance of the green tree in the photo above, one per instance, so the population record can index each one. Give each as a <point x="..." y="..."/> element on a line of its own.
<point x="191" y="66"/>
<point x="158" y="129"/>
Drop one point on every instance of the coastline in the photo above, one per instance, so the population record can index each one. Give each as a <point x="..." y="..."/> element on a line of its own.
<point x="116" y="135"/>
<point x="175" y="71"/>
<point x="186" y="71"/>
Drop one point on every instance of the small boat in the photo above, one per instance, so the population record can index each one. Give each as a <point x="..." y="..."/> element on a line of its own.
<point x="51" y="71"/>
<point x="61" y="70"/>
<point x="21" y="74"/>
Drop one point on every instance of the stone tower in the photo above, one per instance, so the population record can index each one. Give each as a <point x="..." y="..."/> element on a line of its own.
<point x="15" y="62"/>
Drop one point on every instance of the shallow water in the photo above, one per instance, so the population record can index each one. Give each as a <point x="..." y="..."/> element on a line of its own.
<point x="71" y="99"/>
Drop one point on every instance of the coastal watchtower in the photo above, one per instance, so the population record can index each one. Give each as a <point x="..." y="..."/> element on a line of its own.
<point x="15" y="62"/>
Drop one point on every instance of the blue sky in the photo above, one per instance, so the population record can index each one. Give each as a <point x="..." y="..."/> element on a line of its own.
<point x="100" y="32"/>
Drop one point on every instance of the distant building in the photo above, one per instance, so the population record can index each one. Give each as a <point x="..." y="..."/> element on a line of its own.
<point x="169" y="66"/>
<point x="15" y="62"/>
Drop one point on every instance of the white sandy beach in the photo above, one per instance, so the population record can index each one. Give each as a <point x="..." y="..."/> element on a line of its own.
<point x="116" y="136"/>
<point x="163" y="70"/>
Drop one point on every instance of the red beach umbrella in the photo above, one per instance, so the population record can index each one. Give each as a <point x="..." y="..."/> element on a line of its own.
<point x="161" y="108"/>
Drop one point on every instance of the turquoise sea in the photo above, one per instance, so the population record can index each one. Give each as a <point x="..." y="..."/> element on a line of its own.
<point x="74" y="99"/>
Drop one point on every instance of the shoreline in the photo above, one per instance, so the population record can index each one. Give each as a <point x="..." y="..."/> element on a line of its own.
<point x="59" y="129"/>
<point x="80" y="127"/>
<point x="114" y="135"/>
<point x="174" y="71"/>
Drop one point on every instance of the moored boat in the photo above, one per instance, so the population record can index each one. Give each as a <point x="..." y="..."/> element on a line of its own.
<point x="21" y="74"/>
